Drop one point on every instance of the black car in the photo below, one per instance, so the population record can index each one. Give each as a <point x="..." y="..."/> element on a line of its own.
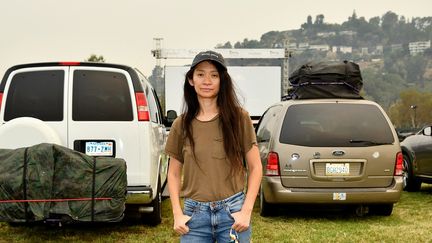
<point x="417" y="159"/>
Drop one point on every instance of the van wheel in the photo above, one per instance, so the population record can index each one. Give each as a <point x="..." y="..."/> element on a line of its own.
<point x="155" y="217"/>
<point x="265" y="208"/>
<point x="381" y="209"/>
<point x="410" y="182"/>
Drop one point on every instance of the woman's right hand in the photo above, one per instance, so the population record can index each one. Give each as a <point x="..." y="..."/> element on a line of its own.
<point x="180" y="224"/>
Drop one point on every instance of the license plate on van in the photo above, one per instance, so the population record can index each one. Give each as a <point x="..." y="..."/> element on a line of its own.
<point x="336" y="169"/>
<point x="99" y="148"/>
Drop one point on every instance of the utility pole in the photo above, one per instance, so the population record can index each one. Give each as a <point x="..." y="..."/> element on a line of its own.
<point x="414" y="108"/>
<point x="157" y="51"/>
<point x="157" y="79"/>
<point x="285" y="72"/>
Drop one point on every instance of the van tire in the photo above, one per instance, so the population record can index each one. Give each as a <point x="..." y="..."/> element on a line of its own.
<point x="381" y="209"/>
<point x="154" y="218"/>
<point x="411" y="183"/>
<point x="35" y="131"/>
<point x="265" y="208"/>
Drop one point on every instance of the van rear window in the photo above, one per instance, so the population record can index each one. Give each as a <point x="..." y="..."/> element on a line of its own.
<point x="37" y="94"/>
<point x="335" y="125"/>
<point x="101" y="96"/>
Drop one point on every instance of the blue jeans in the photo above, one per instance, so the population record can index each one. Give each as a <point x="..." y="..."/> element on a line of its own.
<point x="212" y="221"/>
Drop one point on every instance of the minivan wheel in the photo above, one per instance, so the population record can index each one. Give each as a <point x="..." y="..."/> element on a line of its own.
<point x="410" y="183"/>
<point x="381" y="209"/>
<point x="265" y="207"/>
<point x="154" y="218"/>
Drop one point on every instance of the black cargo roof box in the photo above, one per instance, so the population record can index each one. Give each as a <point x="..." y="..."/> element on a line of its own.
<point x="318" y="80"/>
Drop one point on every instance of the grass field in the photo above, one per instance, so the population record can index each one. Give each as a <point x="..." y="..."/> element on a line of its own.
<point x="411" y="221"/>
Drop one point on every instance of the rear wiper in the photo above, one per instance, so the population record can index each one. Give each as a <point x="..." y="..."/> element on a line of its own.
<point x="367" y="142"/>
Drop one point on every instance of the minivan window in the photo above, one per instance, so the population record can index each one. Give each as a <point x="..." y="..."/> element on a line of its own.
<point x="37" y="94"/>
<point x="335" y="125"/>
<point x="266" y="124"/>
<point x="101" y="96"/>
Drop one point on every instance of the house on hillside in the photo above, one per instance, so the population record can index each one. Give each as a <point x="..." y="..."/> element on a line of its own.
<point x="348" y="33"/>
<point x="303" y="46"/>
<point x="326" y="34"/>
<point x="418" y="47"/>
<point x="343" y="49"/>
<point x="320" y="47"/>
<point x="396" y="47"/>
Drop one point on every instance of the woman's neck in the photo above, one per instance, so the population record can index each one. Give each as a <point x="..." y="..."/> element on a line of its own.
<point x="208" y="109"/>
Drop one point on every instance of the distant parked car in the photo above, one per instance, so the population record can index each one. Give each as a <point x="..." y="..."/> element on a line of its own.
<point x="329" y="151"/>
<point x="417" y="159"/>
<point x="404" y="133"/>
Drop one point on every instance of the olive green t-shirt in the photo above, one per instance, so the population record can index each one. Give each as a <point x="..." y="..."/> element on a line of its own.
<point x="207" y="177"/>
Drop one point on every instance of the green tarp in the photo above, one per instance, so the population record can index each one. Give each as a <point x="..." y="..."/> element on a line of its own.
<point x="48" y="181"/>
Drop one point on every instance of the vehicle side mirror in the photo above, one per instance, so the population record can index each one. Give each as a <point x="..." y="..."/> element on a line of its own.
<point x="171" y="116"/>
<point x="427" y="131"/>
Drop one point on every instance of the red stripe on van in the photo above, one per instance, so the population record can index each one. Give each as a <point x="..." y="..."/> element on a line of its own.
<point x="1" y="97"/>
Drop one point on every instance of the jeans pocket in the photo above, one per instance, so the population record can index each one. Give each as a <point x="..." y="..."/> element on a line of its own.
<point x="234" y="206"/>
<point x="189" y="210"/>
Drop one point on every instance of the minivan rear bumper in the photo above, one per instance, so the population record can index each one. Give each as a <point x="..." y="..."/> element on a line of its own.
<point x="139" y="195"/>
<point x="275" y="193"/>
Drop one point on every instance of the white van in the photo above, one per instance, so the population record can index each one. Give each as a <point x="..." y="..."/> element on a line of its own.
<point x="96" y="108"/>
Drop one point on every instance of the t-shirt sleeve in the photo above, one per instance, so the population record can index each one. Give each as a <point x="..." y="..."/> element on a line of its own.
<point x="174" y="144"/>
<point x="249" y="137"/>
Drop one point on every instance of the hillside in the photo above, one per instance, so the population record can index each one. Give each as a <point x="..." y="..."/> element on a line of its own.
<point x="394" y="52"/>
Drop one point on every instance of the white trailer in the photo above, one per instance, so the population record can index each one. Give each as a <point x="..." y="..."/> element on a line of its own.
<point x="257" y="87"/>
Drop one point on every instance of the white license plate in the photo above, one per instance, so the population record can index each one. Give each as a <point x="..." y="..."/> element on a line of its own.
<point x="339" y="196"/>
<point x="337" y="169"/>
<point x="99" y="148"/>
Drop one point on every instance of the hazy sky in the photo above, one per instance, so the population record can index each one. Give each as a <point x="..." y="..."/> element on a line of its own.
<point x="123" y="30"/>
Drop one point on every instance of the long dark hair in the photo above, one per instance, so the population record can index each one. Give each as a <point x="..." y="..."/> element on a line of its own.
<point x="230" y="115"/>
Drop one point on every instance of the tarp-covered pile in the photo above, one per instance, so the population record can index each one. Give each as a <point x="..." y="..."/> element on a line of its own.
<point x="316" y="80"/>
<point x="48" y="181"/>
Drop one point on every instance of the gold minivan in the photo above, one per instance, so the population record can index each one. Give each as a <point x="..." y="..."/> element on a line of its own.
<point x="329" y="151"/>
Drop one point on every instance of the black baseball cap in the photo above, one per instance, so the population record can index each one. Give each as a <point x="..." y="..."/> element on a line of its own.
<point x="209" y="56"/>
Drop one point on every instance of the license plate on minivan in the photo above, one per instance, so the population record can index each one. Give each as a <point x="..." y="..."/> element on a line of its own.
<point x="99" y="148"/>
<point x="335" y="169"/>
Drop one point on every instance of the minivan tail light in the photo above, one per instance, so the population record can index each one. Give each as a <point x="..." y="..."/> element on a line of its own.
<point x="142" y="108"/>
<point x="272" y="168"/>
<point x="399" y="164"/>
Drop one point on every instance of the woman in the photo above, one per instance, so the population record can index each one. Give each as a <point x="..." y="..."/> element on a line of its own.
<point x="209" y="142"/>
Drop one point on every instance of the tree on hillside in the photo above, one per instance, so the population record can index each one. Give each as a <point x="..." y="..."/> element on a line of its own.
<point x="308" y="23"/>
<point x="383" y="88"/>
<point x="404" y="115"/>
<point x="416" y="67"/>
<point x="389" y="21"/>
<point x="95" y="58"/>
<point x="375" y="21"/>
<point x="248" y="44"/>
<point x="319" y="19"/>
<point x="227" y="45"/>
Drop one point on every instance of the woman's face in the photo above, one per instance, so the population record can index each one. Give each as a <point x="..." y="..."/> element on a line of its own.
<point x="206" y="80"/>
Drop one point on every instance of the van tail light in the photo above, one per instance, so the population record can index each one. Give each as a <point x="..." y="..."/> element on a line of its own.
<point x="399" y="164"/>
<point x="272" y="168"/>
<point x="141" y="103"/>
<point x="1" y="97"/>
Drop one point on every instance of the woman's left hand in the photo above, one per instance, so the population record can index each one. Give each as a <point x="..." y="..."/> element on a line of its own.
<point x="241" y="220"/>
